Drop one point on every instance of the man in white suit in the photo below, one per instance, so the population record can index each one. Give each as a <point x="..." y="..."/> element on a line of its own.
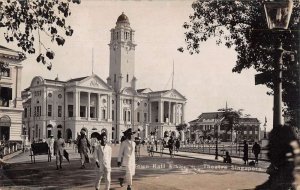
<point x="126" y="157"/>
<point x="102" y="156"/>
<point x="59" y="146"/>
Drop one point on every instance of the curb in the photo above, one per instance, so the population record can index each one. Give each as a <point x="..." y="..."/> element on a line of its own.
<point x="194" y="157"/>
<point x="9" y="156"/>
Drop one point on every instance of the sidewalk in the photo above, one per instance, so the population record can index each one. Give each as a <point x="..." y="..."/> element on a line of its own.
<point x="239" y="161"/>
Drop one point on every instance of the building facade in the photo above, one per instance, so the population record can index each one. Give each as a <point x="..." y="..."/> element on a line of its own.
<point x="209" y="124"/>
<point x="10" y="95"/>
<point x="94" y="105"/>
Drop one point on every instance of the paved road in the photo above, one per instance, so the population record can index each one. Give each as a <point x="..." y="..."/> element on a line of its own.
<point x="161" y="173"/>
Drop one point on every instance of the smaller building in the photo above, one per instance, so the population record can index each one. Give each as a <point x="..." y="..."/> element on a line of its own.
<point x="210" y="124"/>
<point x="10" y="94"/>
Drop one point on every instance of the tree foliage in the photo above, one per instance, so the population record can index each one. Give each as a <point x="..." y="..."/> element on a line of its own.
<point x="242" y="25"/>
<point x="181" y="127"/>
<point x="25" y="21"/>
<point x="231" y="118"/>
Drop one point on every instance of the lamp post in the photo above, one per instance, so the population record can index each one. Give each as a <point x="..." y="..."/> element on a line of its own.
<point x="217" y="139"/>
<point x="278" y="14"/>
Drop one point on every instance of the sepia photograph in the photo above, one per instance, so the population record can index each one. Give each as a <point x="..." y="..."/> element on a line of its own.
<point x="149" y="94"/>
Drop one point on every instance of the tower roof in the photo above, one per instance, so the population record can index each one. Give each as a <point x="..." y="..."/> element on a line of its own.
<point x="123" y="19"/>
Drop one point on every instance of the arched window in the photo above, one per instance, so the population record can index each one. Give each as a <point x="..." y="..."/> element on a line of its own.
<point x="127" y="77"/>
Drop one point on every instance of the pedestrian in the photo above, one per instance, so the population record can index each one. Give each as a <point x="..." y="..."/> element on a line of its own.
<point x="155" y="142"/>
<point x="171" y="146"/>
<point x="50" y="142"/>
<point x="227" y="158"/>
<point x="83" y="145"/>
<point x="177" y="145"/>
<point x="93" y="142"/>
<point x="59" y="146"/>
<point x="102" y="156"/>
<point x="256" y="150"/>
<point x="245" y="150"/>
<point x="126" y="157"/>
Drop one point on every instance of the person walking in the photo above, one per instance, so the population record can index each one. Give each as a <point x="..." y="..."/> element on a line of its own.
<point x="102" y="156"/>
<point x="59" y="146"/>
<point x="256" y="150"/>
<point x="83" y="145"/>
<point x="126" y="157"/>
<point x="245" y="150"/>
<point x="171" y="145"/>
<point x="177" y="145"/>
<point x="50" y="142"/>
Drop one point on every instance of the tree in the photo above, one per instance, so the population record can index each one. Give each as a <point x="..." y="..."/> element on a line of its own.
<point x="231" y="120"/>
<point x="181" y="127"/>
<point x="242" y="25"/>
<point x="25" y="21"/>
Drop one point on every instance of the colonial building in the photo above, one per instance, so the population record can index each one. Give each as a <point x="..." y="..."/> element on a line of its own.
<point x="54" y="106"/>
<point x="10" y="95"/>
<point x="208" y="125"/>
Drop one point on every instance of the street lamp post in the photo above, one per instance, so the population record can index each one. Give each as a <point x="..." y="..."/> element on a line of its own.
<point x="278" y="13"/>
<point x="217" y="140"/>
<point x="281" y="139"/>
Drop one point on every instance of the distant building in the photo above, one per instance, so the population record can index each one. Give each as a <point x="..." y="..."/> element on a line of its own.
<point x="10" y="95"/>
<point x="207" y="125"/>
<point x="89" y="103"/>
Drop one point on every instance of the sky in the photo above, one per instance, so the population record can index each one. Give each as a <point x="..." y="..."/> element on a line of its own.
<point x="205" y="79"/>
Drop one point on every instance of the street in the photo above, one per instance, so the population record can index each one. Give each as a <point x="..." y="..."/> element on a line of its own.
<point x="152" y="173"/>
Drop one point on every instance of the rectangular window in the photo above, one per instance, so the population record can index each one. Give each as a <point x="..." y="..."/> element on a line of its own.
<point x="49" y="110"/>
<point x="145" y="117"/>
<point x="128" y="115"/>
<point x="127" y="78"/>
<point x="5" y="72"/>
<point x="59" y="111"/>
<point x="82" y="111"/>
<point x="92" y="112"/>
<point x="103" y="114"/>
<point x="124" y="116"/>
<point x="245" y="132"/>
<point x="40" y="111"/>
<point x="35" y="111"/>
<point x="70" y="110"/>
<point x="138" y="116"/>
<point x="115" y="77"/>
<point x="25" y="112"/>
<point x="113" y="115"/>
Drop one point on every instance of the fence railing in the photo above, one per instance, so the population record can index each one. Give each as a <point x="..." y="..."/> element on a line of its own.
<point x="8" y="147"/>
<point x="235" y="150"/>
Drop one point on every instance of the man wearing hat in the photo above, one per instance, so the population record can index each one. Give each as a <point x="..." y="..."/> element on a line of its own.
<point x="50" y="142"/>
<point x="83" y="145"/>
<point x="126" y="157"/>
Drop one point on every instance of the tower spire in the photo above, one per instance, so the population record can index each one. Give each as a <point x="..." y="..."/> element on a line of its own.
<point x="92" y="61"/>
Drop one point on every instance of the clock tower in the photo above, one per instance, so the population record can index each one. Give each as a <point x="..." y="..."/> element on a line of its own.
<point x="122" y="55"/>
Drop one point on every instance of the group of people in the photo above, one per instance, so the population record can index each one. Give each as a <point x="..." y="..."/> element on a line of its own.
<point x="255" y="150"/>
<point x="102" y="154"/>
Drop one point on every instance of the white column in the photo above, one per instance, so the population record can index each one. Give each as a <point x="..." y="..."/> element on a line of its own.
<point x="175" y="114"/>
<point x="109" y="108"/>
<point x="169" y="113"/>
<point x="183" y="113"/>
<point x="160" y="111"/>
<point x="88" y="106"/>
<point x="98" y="108"/>
<point x="66" y="105"/>
<point x="78" y="102"/>
<point x="150" y="115"/>
<point x="75" y="104"/>
<point x="121" y="111"/>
